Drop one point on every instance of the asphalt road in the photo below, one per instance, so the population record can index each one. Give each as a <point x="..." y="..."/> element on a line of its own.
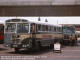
<point x="68" y="53"/>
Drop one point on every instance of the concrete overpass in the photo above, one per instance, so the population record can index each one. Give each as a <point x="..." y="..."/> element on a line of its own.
<point x="39" y="7"/>
<point x="39" y="2"/>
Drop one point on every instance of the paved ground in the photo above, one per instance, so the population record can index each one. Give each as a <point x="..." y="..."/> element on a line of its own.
<point x="68" y="53"/>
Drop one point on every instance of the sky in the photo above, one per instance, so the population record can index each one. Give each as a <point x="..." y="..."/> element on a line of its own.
<point x="51" y="20"/>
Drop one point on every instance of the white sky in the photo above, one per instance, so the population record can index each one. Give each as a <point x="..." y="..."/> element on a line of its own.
<point x="52" y="20"/>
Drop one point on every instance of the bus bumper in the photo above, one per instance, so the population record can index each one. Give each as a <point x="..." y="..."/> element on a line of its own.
<point x="20" y="46"/>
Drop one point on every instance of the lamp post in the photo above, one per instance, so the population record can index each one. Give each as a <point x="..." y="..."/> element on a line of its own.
<point x="39" y="19"/>
<point x="46" y="20"/>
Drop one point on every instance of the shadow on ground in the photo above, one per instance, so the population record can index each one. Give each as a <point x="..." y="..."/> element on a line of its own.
<point x="33" y="52"/>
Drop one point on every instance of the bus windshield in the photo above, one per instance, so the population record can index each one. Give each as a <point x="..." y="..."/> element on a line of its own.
<point x="18" y="27"/>
<point x="11" y="27"/>
<point x="22" y="28"/>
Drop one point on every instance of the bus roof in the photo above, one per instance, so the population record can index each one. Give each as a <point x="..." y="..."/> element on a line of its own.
<point x="46" y="23"/>
<point x="36" y="22"/>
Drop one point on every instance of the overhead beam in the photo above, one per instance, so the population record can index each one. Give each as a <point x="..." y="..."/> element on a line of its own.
<point x="57" y="10"/>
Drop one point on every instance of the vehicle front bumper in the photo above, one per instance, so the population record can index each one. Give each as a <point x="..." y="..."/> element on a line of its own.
<point x="20" y="45"/>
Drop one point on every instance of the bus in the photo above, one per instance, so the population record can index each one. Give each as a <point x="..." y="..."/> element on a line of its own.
<point x="1" y="33"/>
<point x="25" y="34"/>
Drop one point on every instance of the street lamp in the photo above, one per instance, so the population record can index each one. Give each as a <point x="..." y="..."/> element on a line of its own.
<point x="46" y="20"/>
<point x="39" y="19"/>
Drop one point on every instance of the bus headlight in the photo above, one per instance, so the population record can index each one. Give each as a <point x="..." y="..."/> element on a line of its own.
<point x="24" y="45"/>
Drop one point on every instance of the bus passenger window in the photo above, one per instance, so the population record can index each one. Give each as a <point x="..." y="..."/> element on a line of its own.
<point x="54" y="29"/>
<point x="46" y="28"/>
<point x="57" y="29"/>
<point x="43" y="27"/>
<point x="39" y="27"/>
<point x="51" y="28"/>
<point x="60" y="29"/>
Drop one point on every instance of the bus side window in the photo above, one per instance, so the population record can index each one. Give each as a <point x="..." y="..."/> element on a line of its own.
<point x="43" y="27"/>
<point x="39" y="27"/>
<point x="50" y="28"/>
<point x="54" y="29"/>
<point x="46" y="27"/>
<point x="57" y="29"/>
<point x="60" y="29"/>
